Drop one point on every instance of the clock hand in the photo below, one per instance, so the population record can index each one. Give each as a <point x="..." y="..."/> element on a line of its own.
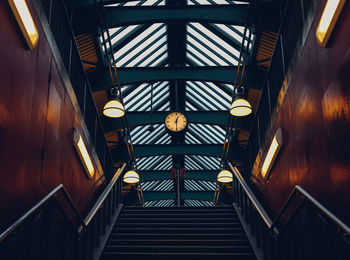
<point x="176" y="122"/>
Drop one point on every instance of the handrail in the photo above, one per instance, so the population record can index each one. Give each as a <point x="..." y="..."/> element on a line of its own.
<point x="104" y="195"/>
<point x="39" y="205"/>
<point x="251" y="196"/>
<point x="317" y="204"/>
<point x="271" y="225"/>
<point x="60" y="187"/>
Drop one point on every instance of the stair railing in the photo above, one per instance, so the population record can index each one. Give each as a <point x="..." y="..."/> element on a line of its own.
<point x="77" y="242"/>
<point x="287" y="240"/>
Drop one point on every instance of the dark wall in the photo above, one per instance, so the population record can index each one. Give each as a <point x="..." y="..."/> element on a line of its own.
<point x="36" y="126"/>
<point x="315" y="118"/>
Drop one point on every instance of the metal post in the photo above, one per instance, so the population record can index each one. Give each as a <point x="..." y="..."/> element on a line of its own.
<point x="178" y="194"/>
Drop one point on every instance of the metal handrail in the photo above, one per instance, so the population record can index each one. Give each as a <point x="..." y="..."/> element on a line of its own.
<point x="37" y="206"/>
<point x="104" y="195"/>
<point x="53" y="193"/>
<point x="271" y="225"/>
<point x="251" y="196"/>
<point x="317" y="204"/>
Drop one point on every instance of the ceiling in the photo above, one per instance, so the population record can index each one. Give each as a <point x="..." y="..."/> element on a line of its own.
<point x="176" y="55"/>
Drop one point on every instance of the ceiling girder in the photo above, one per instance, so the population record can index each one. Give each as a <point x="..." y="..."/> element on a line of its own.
<point x="213" y="150"/>
<point x="194" y="117"/>
<point x="100" y="80"/>
<point x="227" y="14"/>
<point x="195" y="195"/>
<point x="204" y="175"/>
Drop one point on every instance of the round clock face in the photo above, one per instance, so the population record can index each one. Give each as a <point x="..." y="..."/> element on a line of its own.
<point x="176" y="121"/>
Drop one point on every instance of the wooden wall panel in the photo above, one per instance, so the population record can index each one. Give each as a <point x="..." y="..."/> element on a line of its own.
<point x="315" y="117"/>
<point x="36" y="126"/>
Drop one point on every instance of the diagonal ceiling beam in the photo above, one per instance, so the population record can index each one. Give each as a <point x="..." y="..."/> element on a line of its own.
<point x="120" y="153"/>
<point x="100" y="80"/>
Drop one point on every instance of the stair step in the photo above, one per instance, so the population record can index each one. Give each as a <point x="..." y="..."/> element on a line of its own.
<point x="177" y="215"/>
<point x="152" y="236"/>
<point x="178" y="225"/>
<point x="178" y="230"/>
<point x="166" y="220"/>
<point x="183" y="249"/>
<point x="177" y="256"/>
<point x="179" y="242"/>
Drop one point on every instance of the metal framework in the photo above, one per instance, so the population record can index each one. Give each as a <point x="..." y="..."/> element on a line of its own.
<point x="174" y="56"/>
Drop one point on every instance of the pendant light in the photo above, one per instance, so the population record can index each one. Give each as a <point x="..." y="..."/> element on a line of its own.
<point x="225" y="176"/>
<point x="131" y="177"/>
<point x="114" y="108"/>
<point x="240" y="106"/>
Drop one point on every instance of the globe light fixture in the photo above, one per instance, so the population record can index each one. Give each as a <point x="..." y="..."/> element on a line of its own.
<point x="131" y="177"/>
<point x="225" y="176"/>
<point x="240" y="107"/>
<point x="114" y="108"/>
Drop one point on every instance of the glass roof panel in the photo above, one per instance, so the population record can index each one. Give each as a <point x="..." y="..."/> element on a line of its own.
<point x="139" y="3"/>
<point x="216" y="2"/>
<point x="197" y="203"/>
<point x="204" y="134"/>
<point x="161" y="162"/>
<point x="207" y="96"/>
<point x="198" y="162"/>
<point x="142" y="135"/>
<point x="138" y="98"/>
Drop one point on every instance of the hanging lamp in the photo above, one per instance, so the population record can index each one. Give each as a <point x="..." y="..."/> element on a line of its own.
<point x="114" y="108"/>
<point x="131" y="177"/>
<point x="225" y="176"/>
<point x="240" y="106"/>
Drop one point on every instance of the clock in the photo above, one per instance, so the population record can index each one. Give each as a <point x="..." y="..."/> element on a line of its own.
<point x="175" y="121"/>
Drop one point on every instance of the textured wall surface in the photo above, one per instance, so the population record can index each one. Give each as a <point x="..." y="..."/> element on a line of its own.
<point x="36" y="126"/>
<point x="315" y="118"/>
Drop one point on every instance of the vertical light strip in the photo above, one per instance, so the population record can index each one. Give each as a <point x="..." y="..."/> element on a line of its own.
<point x="25" y="22"/>
<point x="272" y="153"/>
<point x="83" y="154"/>
<point x="328" y="20"/>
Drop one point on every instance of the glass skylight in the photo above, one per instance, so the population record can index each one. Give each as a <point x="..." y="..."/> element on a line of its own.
<point x="204" y="134"/>
<point x="197" y="162"/>
<point x="158" y="185"/>
<point x="140" y="3"/>
<point x="197" y="203"/>
<point x="162" y="162"/>
<point x="142" y="135"/>
<point x="207" y="96"/>
<point x="138" y="98"/>
<point x="160" y="203"/>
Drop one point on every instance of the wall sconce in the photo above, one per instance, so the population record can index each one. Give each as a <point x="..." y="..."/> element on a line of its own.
<point x="328" y="20"/>
<point x="272" y="153"/>
<point x="83" y="154"/>
<point x="25" y="21"/>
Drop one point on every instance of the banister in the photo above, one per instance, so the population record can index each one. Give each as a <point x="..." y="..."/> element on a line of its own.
<point x="271" y="225"/>
<point x="30" y="212"/>
<point x="104" y="195"/>
<point x="251" y="197"/>
<point x="53" y="193"/>
<point x="317" y="204"/>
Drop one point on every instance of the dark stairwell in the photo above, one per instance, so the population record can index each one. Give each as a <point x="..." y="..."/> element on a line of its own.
<point x="178" y="232"/>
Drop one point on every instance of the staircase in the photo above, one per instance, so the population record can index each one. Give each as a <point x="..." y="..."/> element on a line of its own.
<point x="178" y="233"/>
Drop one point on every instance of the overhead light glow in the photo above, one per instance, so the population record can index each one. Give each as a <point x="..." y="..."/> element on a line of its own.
<point x="83" y="154"/>
<point x="272" y="152"/>
<point x="25" y="22"/>
<point x="240" y="107"/>
<point x="225" y="176"/>
<point x="328" y="20"/>
<point x="114" y="109"/>
<point x="131" y="177"/>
